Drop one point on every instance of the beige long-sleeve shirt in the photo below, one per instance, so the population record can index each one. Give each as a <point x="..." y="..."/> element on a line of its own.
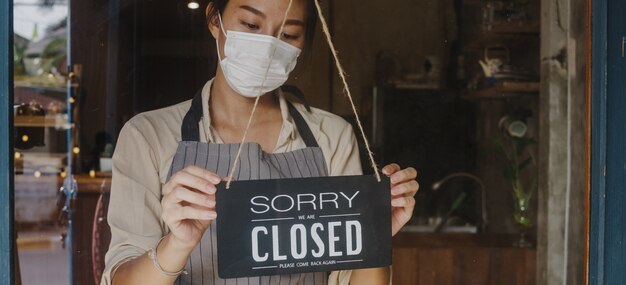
<point x="144" y="152"/>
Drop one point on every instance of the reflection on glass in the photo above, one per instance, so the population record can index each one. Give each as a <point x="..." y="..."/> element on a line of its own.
<point x="40" y="29"/>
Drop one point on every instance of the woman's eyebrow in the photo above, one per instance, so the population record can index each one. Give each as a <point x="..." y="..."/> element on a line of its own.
<point x="252" y="10"/>
<point x="292" y="22"/>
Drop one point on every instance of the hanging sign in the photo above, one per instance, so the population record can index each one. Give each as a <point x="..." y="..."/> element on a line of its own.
<point x="285" y="226"/>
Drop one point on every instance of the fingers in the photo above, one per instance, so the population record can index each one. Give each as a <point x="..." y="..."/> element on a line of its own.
<point x="190" y="179"/>
<point x="186" y="204"/>
<point x="391" y="169"/>
<point x="403" y="175"/>
<point x="406" y="202"/>
<point x="190" y="212"/>
<point x="182" y="194"/>
<point x="407" y="188"/>
<point x="195" y="213"/>
<point x="203" y="173"/>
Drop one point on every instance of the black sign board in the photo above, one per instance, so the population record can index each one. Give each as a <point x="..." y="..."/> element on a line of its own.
<point x="285" y="226"/>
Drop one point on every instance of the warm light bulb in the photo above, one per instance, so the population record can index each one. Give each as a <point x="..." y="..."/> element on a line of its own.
<point x="76" y="150"/>
<point x="63" y="174"/>
<point x="37" y="174"/>
<point x="18" y="155"/>
<point x="193" y="5"/>
<point x="92" y="173"/>
<point x="72" y="100"/>
<point x="25" y="138"/>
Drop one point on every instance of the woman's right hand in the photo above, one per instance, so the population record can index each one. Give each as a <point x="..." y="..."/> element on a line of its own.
<point x="189" y="205"/>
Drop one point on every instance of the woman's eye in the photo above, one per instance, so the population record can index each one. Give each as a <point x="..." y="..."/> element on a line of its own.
<point x="290" y="37"/>
<point x="250" y="26"/>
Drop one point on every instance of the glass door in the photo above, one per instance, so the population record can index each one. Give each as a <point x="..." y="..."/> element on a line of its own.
<point x="44" y="140"/>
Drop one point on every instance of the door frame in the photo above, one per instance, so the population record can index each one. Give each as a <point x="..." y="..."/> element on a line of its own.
<point x="607" y="172"/>
<point x="601" y="121"/>
<point x="7" y="250"/>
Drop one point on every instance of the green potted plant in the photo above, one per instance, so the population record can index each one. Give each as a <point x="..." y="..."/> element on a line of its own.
<point x="519" y="171"/>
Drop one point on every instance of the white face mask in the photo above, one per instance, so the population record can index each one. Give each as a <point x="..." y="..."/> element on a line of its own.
<point x="256" y="64"/>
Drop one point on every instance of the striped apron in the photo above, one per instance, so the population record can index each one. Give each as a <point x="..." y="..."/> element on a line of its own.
<point x="254" y="164"/>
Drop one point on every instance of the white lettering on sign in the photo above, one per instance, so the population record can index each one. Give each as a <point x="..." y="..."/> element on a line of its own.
<point x="350" y="199"/>
<point x="333" y="200"/>
<point x="255" y="244"/>
<point x="301" y="201"/>
<point x="282" y="210"/>
<point x="298" y="237"/>
<point x="318" y="240"/>
<point x="275" y="247"/>
<point x="267" y="208"/>
<point x="294" y="241"/>
<point x="284" y="203"/>
<point x="358" y="246"/>
<point x="332" y="238"/>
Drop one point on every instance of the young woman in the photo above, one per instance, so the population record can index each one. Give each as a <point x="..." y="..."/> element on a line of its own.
<point x="167" y="162"/>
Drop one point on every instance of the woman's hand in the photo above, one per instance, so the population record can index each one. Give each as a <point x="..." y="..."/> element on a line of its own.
<point x="189" y="205"/>
<point x="403" y="189"/>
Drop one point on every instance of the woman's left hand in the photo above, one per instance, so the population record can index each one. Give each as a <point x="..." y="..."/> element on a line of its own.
<point x="403" y="189"/>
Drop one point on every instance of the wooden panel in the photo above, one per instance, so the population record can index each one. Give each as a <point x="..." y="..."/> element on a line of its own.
<point x="425" y="259"/>
<point x="473" y="265"/>
<point x="436" y="267"/>
<point x="404" y="272"/>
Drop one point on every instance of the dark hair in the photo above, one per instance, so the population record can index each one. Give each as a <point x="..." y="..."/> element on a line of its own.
<point x="310" y="21"/>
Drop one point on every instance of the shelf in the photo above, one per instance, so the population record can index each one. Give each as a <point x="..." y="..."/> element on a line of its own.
<point x="416" y="86"/>
<point x="40" y="87"/>
<point x="51" y="121"/>
<point x="492" y="39"/>
<point x="505" y="90"/>
<point x="518" y="28"/>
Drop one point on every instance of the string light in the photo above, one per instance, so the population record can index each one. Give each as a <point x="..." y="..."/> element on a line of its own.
<point x="25" y="138"/>
<point x="193" y="5"/>
<point x="92" y="173"/>
<point x="76" y="150"/>
<point x="18" y="155"/>
<point x="37" y="174"/>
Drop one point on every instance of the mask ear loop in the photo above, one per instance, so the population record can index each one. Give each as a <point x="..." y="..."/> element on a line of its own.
<point x="342" y="74"/>
<point x="217" y="43"/>
<point x="256" y="102"/>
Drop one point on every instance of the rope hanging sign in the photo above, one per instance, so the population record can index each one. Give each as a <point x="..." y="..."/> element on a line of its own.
<point x="306" y="224"/>
<point x="346" y="89"/>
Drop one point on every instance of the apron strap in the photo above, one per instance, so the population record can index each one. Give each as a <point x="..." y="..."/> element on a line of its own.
<point x="302" y="126"/>
<point x="191" y="132"/>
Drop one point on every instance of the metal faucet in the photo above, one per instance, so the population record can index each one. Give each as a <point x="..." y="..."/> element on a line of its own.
<point x="483" y="202"/>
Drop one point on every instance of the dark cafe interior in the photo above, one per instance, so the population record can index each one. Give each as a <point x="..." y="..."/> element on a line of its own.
<point x="339" y="141"/>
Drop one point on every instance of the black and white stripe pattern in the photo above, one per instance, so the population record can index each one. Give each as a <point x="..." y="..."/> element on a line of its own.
<point x="254" y="164"/>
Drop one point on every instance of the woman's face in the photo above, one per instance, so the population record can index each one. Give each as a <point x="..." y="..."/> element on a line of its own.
<point x="263" y="17"/>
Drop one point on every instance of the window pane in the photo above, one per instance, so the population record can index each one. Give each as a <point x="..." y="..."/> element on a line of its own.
<point x="41" y="148"/>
